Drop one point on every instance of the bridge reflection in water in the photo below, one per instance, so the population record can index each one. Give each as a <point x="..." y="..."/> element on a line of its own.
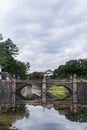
<point x="13" y="101"/>
<point x="12" y="108"/>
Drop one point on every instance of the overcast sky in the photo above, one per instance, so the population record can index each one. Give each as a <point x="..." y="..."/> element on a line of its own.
<point x="47" y="32"/>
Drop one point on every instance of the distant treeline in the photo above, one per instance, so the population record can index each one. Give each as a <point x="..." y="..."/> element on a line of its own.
<point x="78" y="67"/>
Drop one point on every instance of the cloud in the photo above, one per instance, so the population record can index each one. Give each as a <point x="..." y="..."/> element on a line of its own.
<point x="48" y="33"/>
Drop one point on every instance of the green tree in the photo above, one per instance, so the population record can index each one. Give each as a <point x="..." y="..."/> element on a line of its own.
<point x="28" y="66"/>
<point x="59" y="73"/>
<point x="78" y="67"/>
<point x="8" y="51"/>
<point x="71" y="67"/>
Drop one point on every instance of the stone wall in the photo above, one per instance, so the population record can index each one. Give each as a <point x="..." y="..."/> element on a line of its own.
<point x="82" y="92"/>
<point x="5" y="91"/>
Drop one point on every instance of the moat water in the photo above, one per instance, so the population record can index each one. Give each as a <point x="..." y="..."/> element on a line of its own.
<point x="38" y="115"/>
<point x="48" y="118"/>
<point x="42" y="113"/>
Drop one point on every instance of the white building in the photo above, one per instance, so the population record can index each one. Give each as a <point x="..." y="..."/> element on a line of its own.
<point x="48" y="73"/>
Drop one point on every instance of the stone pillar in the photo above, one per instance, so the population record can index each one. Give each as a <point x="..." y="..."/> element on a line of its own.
<point x="13" y="91"/>
<point x="75" y="89"/>
<point x="14" y="85"/>
<point x="13" y="98"/>
<point x="44" y="90"/>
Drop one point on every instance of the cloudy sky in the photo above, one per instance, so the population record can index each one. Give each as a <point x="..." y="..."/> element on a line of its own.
<point x="47" y="32"/>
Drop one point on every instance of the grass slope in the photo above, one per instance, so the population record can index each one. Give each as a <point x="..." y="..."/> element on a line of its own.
<point x="59" y="92"/>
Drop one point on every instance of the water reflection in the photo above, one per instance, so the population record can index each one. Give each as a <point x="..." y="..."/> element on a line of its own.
<point x="9" y="114"/>
<point x="80" y="116"/>
<point x="18" y="114"/>
<point x="46" y="119"/>
<point x="42" y="116"/>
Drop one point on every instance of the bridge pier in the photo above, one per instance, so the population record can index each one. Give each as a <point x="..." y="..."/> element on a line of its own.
<point x="75" y="89"/>
<point x="13" y="85"/>
<point x="74" y="99"/>
<point x="44" y="90"/>
<point x="13" y="91"/>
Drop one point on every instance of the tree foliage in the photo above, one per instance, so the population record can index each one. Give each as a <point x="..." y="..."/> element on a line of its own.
<point x="36" y="75"/>
<point x="8" y="50"/>
<point x="78" y="67"/>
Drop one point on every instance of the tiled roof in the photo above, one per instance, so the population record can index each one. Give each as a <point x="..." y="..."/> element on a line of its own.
<point x="49" y="71"/>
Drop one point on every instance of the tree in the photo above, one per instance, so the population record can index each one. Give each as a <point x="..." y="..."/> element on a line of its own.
<point x="10" y="48"/>
<point x="36" y="75"/>
<point x="8" y="51"/>
<point x="71" y="67"/>
<point x="28" y="66"/>
<point x="78" y="67"/>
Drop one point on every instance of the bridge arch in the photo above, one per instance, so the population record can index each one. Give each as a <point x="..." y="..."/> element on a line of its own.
<point x="40" y="84"/>
<point x="20" y="86"/>
<point x="67" y="85"/>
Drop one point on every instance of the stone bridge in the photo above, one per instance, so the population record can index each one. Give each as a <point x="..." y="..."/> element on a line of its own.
<point x="76" y="87"/>
<point x="43" y="85"/>
<point x="30" y="83"/>
<point x="37" y="84"/>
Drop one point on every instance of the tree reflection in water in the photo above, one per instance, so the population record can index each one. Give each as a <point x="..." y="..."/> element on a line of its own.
<point x="12" y="117"/>
<point x="80" y="116"/>
<point x="9" y="114"/>
<point x="49" y="117"/>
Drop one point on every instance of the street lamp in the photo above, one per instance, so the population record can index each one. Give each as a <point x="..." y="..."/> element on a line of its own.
<point x="0" y="71"/>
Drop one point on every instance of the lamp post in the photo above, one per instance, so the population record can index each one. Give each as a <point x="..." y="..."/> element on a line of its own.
<point x="0" y="71"/>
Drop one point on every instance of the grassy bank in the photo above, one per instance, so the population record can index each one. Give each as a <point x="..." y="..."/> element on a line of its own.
<point x="59" y="92"/>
